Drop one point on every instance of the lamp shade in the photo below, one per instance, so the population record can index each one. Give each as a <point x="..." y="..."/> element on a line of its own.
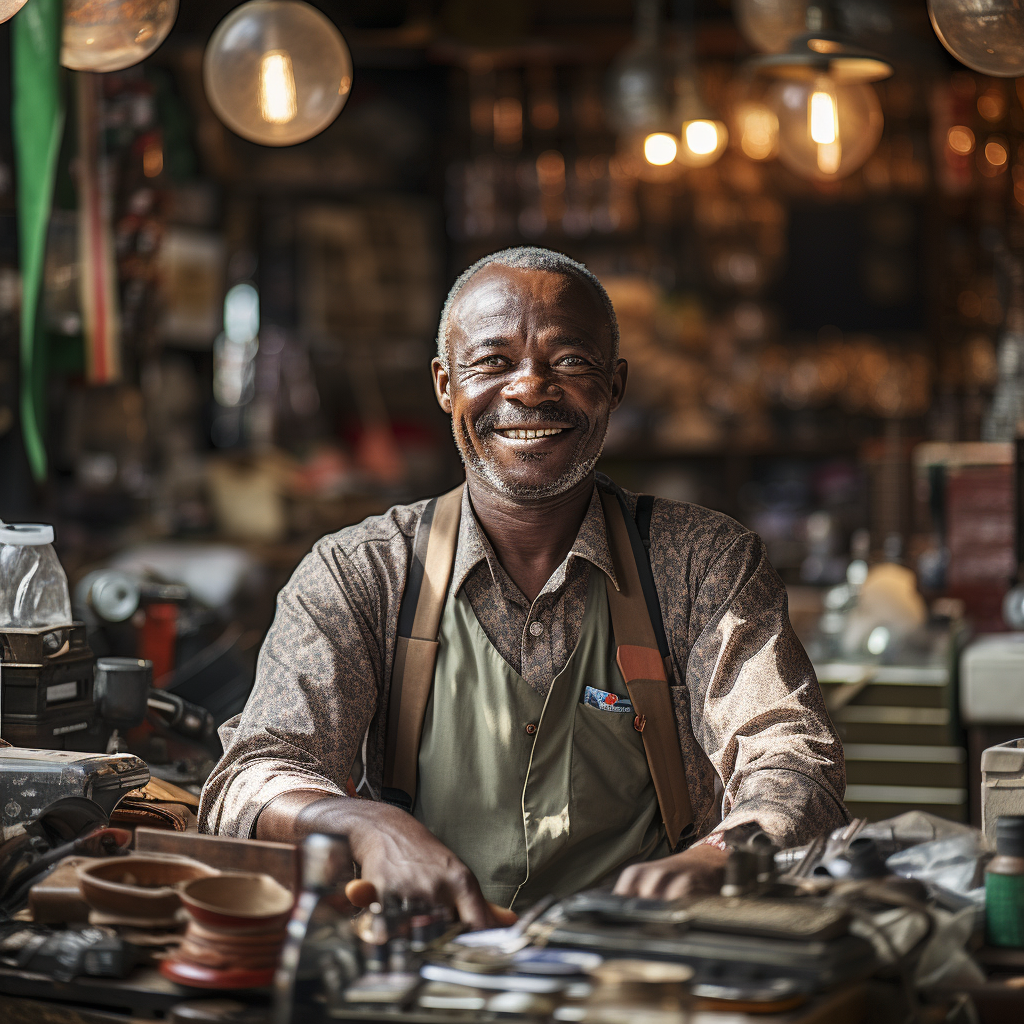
<point x="826" y="131"/>
<point x="277" y="72"/>
<point x="769" y="25"/>
<point x="986" y="35"/>
<point x="110" y="35"/>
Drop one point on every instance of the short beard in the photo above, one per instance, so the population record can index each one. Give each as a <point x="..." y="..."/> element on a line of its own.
<point x="566" y="482"/>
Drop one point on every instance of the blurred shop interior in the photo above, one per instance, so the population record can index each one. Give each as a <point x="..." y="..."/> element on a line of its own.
<point x="825" y="338"/>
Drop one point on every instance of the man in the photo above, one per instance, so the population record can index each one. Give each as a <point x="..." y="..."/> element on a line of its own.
<point x="527" y="776"/>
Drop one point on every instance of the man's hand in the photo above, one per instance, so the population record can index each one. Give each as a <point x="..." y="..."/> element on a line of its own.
<point x="396" y="854"/>
<point x="694" y="872"/>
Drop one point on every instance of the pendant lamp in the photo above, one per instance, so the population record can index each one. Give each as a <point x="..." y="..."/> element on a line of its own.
<point x="830" y="120"/>
<point x="277" y="72"/>
<point x="111" y="35"/>
<point x="639" y="78"/>
<point x="9" y="8"/>
<point x="769" y="25"/>
<point x="703" y="135"/>
<point x="986" y="35"/>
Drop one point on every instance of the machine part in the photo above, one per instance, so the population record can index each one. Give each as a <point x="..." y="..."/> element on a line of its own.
<point x="31" y="780"/>
<point x="110" y="595"/>
<point x="94" y="952"/>
<point x="741" y="871"/>
<point x="122" y="689"/>
<point x="319" y="941"/>
<point x="182" y="716"/>
<point x="46" y="689"/>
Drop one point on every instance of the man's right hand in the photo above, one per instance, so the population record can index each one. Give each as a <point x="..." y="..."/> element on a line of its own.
<point x="396" y="854"/>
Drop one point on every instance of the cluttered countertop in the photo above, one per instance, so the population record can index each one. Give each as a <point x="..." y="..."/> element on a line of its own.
<point x="877" y="921"/>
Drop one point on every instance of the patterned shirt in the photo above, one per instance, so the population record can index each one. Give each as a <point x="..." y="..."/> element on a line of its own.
<point x="757" y="742"/>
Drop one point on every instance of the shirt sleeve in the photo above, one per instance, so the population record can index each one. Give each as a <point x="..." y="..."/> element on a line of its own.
<point x="756" y="707"/>
<point x="317" y="688"/>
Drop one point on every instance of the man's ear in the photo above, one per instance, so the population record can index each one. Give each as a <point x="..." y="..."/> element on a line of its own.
<point x="619" y="375"/>
<point x="442" y="385"/>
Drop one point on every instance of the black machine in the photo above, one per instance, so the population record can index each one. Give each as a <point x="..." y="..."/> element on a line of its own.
<point x="55" y="694"/>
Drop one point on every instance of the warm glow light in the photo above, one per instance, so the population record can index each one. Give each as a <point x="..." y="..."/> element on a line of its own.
<point x="660" y="149"/>
<point x="701" y="137"/>
<point x="822" y="115"/>
<point x="152" y="160"/>
<point x="278" y="103"/>
<point x="995" y="153"/>
<point x="759" y="132"/>
<point x="960" y="139"/>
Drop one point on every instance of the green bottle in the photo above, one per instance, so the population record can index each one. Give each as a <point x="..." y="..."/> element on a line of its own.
<point x="1004" y="885"/>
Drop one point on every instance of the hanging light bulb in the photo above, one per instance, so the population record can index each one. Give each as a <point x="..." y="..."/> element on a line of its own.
<point x="985" y="35"/>
<point x="660" y="149"/>
<point x="110" y="35"/>
<point x="758" y="129"/>
<point x="769" y="25"/>
<point x="703" y="136"/>
<point x="830" y="119"/>
<point x="277" y="72"/>
<point x="639" y="77"/>
<point x="9" y="8"/>
<point x="826" y="131"/>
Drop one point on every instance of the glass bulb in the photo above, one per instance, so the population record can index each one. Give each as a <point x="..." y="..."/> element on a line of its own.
<point x="277" y="72"/>
<point x="769" y="25"/>
<point x="660" y="149"/>
<point x="986" y="35"/>
<point x="9" y="8"/>
<point x="110" y="35"/>
<point x="703" y="142"/>
<point x="826" y="130"/>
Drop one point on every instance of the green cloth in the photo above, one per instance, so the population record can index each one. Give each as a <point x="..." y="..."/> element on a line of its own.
<point x="38" y="116"/>
<point x="554" y="808"/>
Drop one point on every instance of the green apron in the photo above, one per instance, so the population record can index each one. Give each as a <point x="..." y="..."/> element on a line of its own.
<point x="535" y="795"/>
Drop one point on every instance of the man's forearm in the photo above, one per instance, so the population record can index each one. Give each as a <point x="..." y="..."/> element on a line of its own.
<point x="292" y="816"/>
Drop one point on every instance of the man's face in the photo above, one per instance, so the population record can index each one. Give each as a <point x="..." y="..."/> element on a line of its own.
<point x="530" y="382"/>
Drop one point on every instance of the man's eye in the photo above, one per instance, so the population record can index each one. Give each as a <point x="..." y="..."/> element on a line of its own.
<point x="493" y="361"/>
<point x="572" y="361"/>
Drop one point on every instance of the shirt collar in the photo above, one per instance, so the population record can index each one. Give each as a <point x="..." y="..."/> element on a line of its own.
<point x="473" y="547"/>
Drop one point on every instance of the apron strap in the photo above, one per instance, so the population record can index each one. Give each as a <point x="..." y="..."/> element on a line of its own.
<point x="419" y="618"/>
<point x="643" y="668"/>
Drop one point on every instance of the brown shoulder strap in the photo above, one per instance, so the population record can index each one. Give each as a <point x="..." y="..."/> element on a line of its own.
<point x="642" y="668"/>
<point x="415" y="655"/>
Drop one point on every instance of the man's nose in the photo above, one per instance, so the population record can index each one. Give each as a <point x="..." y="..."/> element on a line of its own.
<point x="531" y="385"/>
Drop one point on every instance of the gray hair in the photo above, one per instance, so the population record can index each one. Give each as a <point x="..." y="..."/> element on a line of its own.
<point x="527" y="257"/>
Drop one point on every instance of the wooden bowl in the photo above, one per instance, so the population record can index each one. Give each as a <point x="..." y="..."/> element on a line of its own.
<point x="238" y="902"/>
<point x="139" y="886"/>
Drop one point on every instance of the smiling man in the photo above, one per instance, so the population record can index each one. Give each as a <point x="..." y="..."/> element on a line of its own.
<point x="538" y="678"/>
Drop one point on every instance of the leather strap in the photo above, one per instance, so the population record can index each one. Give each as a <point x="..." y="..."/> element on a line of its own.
<point x="643" y="668"/>
<point x="416" y="653"/>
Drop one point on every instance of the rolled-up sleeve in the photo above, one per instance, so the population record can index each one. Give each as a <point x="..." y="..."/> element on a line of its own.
<point x="318" y="682"/>
<point x="756" y="707"/>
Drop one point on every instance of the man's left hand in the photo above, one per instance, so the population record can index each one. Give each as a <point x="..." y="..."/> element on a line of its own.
<point x="694" y="872"/>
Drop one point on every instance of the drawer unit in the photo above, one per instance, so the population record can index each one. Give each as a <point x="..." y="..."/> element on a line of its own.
<point x="901" y="739"/>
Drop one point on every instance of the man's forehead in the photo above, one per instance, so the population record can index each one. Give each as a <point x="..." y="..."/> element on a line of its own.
<point x="498" y="293"/>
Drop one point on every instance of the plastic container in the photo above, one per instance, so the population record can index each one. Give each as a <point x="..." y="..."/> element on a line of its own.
<point x="34" y="591"/>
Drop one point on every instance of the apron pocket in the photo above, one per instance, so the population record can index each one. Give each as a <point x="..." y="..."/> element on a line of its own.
<point x="609" y="771"/>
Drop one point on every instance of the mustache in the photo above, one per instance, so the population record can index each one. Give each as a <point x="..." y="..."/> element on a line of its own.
<point x="487" y="423"/>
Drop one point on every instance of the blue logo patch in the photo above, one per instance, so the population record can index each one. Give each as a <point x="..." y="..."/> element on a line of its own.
<point x="605" y="701"/>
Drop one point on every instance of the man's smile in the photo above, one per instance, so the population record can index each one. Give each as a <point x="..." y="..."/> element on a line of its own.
<point x="529" y="433"/>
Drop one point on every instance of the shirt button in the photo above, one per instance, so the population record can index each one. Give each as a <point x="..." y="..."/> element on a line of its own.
<point x="536" y="628"/>
<point x="531" y="729"/>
